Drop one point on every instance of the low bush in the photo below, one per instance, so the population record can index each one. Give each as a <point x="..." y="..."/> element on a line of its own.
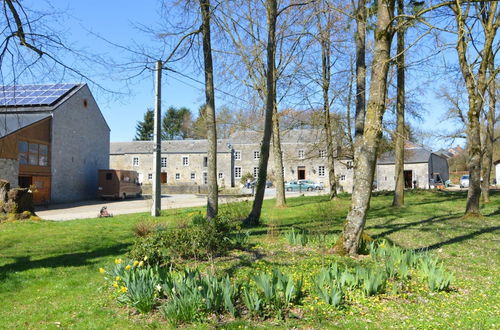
<point x="199" y="241"/>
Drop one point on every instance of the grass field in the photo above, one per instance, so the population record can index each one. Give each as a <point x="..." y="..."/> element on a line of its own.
<point x="49" y="270"/>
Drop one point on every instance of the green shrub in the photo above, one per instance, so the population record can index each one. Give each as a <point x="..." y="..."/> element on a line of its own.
<point x="197" y="241"/>
<point x="183" y="309"/>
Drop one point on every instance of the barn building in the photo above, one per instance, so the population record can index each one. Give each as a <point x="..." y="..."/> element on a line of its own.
<point x="53" y="137"/>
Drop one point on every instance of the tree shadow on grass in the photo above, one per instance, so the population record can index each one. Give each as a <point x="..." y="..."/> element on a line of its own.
<point x="393" y="228"/>
<point x="64" y="260"/>
<point x="460" y="238"/>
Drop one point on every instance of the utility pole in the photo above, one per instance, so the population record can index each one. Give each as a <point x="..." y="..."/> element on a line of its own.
<point x="156" y="193"/>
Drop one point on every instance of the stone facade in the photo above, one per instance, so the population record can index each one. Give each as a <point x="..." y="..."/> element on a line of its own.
<point x="9" y="171"/>
<point x="183" y="161"/>
<point x="386" y="179"/>
<point x="421" y="169"/>
<point x="80" y="147"/>
<point x="304" y="157"/>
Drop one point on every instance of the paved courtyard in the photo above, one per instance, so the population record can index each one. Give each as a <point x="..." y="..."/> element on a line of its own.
<point x="90" y="209"/>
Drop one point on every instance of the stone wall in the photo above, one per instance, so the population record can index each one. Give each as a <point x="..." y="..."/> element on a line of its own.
<point x="9" y="171"/>
<point x="177" y="173"/>
<point x="80" y="147"/>
<point x="386" y="180"/>
<point x="310" y="162"/>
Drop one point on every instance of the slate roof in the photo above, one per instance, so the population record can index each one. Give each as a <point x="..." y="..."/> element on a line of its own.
<point x="289" y="136"/>
<point x="169" y="146"/>
<point x="12" y="122"/>
<point x="412" y="155"/>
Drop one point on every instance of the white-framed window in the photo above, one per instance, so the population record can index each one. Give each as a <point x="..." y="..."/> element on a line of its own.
<point x="237" y="172"/>
<point x="301" y="154"/>
<point x="150" y="176"/>
<point x="163" y="161"/>
<point x="221" y="175"/>
<point x="349" y="164"/>
<point x="177" y="176"/>
<point x="237" y="155"/>
<point x="342" y="177"/>
<point x="205" y="178"/>
<point x="135" y="161"/>
<point x="255" y="172"/>
<point x="185" y="160"/>
<point x="321" y="171"/>
<point x="256" y="155"/>
<point x="193" y="176"/>
<point x="322" y="153"/>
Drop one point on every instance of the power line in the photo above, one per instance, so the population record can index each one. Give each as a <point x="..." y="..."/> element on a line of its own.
<point x="202" y="83"/>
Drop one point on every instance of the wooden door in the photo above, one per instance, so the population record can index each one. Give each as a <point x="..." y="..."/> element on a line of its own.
<point x="408" y="175"/>
<point x="301" y="173"/>
<point x="163" y="177"/>
<point x="41" y="195"/>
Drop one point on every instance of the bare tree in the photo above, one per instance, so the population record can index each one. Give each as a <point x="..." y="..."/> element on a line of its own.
<point x="398" y="199"/>
<point x="476" y="81"/>
<point x="489" y="138"/>
<point x="325" y="20"/>
<point x="272" y="15"/>
<point x="366" y="144"/>
<point x="213" y="193"/>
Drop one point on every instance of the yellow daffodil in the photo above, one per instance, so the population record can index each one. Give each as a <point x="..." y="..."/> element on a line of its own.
<point x="123" y="289"/>
<point x="115" y="284"/>
<point x="118" y="261"/>
<point x="101" y="270"/>
<point x="145" y="258"/>
<point x="128" y="267"/>
<point x="136" y="263"/>
<point x="117" y="278"/>
<point x="141" y="263"/>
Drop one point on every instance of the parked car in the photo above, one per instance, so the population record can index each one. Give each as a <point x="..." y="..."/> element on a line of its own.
<point x="464" y="181"/>
<point x="316" y="186"/>
<point x="269" y="183"/>
<point x="297" y="186"/>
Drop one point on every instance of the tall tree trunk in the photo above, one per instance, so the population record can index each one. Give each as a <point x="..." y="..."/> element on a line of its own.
<point x="490" y="134"/>
<point x="365" y="153"/>
<point x="271" y="13"/>
<point x="213" y="194"/>
<point x="360" y="67"/>
<point x="476" y="85"/>
<point x="278" y="158"/>
<point x="325" y="63"/>
<point x="399" y="189"/>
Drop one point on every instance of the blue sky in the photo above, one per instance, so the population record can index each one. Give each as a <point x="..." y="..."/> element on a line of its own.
<point x="118" y="21"/>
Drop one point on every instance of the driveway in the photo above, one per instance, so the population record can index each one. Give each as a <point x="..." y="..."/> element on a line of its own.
<point x="91" y="208"/>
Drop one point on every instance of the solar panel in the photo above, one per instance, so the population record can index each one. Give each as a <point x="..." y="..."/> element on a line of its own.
<point x="33" y="95"/>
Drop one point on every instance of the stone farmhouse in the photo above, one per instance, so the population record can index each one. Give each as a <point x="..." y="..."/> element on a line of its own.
<point x="185" y="161"/>
<point x="422" y="168"/>
<point x="53" y="137"/>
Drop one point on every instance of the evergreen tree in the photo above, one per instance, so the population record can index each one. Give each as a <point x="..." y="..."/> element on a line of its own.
<point x="145" y="129"/>
<point x="176" y="123"/>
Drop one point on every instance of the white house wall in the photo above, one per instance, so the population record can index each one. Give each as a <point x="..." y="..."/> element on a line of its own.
<point x="386" y="180"/>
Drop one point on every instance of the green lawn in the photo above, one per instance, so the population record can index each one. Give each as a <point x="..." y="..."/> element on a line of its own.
<point x="49" y="270"/>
